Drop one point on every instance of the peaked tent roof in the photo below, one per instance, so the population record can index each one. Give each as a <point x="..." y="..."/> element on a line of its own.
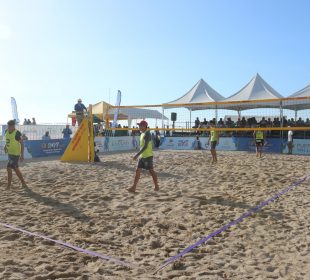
<point x="200" y="93"/>
<point x="256" y="89"/>
<point x="305" y="92"/>
<point x="299" y="104"/>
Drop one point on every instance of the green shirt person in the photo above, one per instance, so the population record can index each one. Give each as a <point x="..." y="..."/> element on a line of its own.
<point x="14" y="147"/>
<point x="259" y="138"/>
<point x="213" y="141"/>
<point x="145" y="156"/>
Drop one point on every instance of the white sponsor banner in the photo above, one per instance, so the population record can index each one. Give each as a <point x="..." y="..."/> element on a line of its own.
<point x="301" y="147"/>
<point x="4" y="156"/>
<point x="112" y="144"/>
<point x="188" y="143"/>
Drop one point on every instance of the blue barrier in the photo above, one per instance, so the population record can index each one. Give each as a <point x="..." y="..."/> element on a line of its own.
<point x="45" y="148"/>
<point x="272" y="145"/>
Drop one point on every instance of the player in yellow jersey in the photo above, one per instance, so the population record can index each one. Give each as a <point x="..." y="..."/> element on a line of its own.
<point x="259" y="138"/>
<point x="145" y="156"/>
<point x="14" y="147"/>
<point x="213" y="142"/>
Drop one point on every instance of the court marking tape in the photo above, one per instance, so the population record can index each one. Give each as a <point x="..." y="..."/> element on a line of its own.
<point x="64" y="244"/>
<point x="228" y="225"/>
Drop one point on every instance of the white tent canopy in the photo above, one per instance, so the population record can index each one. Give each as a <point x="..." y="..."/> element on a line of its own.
<point x="200" y="93"/>
<point x="299" y="104"/>
<point x="137" y="113"/>
<point x="256" y="89"/>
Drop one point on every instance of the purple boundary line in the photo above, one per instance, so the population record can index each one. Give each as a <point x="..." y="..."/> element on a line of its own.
<point x="225" y="227"/>
<point x="64" y="244"/>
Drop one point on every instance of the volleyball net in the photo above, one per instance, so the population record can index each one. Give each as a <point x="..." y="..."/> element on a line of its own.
<point x="274" y="115"/>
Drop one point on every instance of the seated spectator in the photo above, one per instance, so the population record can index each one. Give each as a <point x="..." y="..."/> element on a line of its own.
<point x="269" y="122"/>
<point x="243" y="122"/>
<point x="197" y="122"/>
<point x="34" y="121"/>
<point x="307" y="122"/>
<point x="25" y="122"/>
<point x="300" y="122"/>
<point x="276" y="122"/>
<point x="239" y="124"/>
<point x="67" y="132"/>
<point x="263" y="122"/>
<point x="29" y="121"/>
<point x="46" y="136"/>
<point x="220" y="123"/>
<point x="229" y="123"/>
<point x="168" y="131"/>
<point x="205" y="122"/>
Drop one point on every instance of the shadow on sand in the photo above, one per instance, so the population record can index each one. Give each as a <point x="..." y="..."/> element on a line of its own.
<point x="131" y="168"/>
<point x="236" y="204"/>
<point x="65" y="208"/>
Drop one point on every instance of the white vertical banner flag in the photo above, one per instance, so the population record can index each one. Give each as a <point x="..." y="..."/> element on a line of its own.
<point x="14" y="110"/>
<point x="116" y="110"/>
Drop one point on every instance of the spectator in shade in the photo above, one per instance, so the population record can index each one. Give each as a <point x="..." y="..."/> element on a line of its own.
<point x="25" y="122"/>
<point x="67" y="132"/>
<point x="28" y="121"/>
<point x="300" y="122"/>
<point x="46" y="136"/>
<point x="239" y="124"/>
<point x="79" y="109"/>
<point x="243" y="122"/>
<point x="197" y="122"/>
<point x="220" y="123"/>
<point x="269" y="122"/>
<point x="167" y="131"/>
<point x="34" y="121"/>
<point x="263" y="122"/>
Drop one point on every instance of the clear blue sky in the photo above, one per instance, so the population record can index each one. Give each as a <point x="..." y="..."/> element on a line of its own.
<point x="55" y="51"/>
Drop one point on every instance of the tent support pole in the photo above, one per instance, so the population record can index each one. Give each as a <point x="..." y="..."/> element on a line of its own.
<point x="281" y="114"/>
<point x="190" y="118"/>
<point x="216" y="114"/>
<point x="162" y="117"/>
<point x="281" y="118"/>
<point x="295" y="115"/>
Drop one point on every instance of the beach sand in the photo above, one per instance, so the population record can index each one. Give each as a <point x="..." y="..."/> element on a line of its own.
<point x="87" y="205"/>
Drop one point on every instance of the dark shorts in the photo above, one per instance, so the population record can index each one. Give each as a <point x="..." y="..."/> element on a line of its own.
<point x="13" y="162"/>
<point x="290" y="144"/>
<point x="259" y="142"/>
<point x="146" y="163"/>
<point x="213" y="145"/>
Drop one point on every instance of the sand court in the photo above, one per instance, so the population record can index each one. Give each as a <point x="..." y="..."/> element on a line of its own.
<point x="87" y="205"/>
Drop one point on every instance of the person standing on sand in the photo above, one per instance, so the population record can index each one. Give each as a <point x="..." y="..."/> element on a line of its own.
<point x="145" y="156"/>
<point x="290" y="141"/>
<point x="214" y="140"/>
<point x="259" y="138"/>
<point x="14" y="147"/>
